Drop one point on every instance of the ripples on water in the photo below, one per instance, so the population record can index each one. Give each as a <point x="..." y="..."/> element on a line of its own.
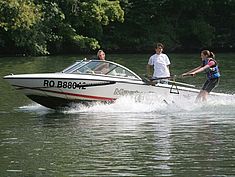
<point x="135" y="136"/>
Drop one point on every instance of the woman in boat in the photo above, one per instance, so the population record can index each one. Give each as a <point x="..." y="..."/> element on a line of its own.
<point x="210" y="66"/>
<point x="101" y="55"/>
<point x="103" y="67"/>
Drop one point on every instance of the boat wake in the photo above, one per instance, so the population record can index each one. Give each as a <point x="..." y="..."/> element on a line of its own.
<point x="34" y="107"/>
<point x="151" y="103"/>
<point x="148" y="103"/>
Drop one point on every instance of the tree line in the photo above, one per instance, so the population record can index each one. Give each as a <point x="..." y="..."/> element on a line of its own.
<point x="41" y="27"/>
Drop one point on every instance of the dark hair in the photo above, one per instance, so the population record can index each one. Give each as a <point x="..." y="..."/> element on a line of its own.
<point x="212" y="55"/>
<point x="158" y="45"/>
<point x="206" y="52"/>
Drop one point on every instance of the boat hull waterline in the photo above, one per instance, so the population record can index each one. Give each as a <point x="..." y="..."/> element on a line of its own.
<point x="57" y="90"/>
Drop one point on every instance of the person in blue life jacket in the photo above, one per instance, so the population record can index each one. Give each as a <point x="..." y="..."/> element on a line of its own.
<point x="210" y="67"/>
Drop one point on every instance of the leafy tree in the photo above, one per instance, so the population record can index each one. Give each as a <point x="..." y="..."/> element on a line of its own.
<point x="87" y="19"/>
<point x="43" y="26"/>
<point x="17" y="21"/>
<point x="179" y="24"/>
<point x="37" y="26"/>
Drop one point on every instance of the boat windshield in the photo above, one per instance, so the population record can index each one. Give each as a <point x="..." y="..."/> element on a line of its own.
<point x="100" y="67"/>
<point x="74" y="67"/>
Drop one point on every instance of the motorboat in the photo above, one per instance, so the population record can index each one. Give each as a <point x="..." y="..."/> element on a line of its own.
<point x="88" y="81"/>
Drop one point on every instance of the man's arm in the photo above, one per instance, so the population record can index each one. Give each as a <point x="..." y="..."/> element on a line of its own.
<point x="149" y="70"/>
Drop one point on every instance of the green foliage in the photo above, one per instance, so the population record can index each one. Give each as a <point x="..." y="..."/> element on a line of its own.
<point x="203" y="31"/>
<point x="15" y="14"/>
<point x="36" y="25"/>
<point x="89" y="17"/>
<point x="85" y="42"/>
<point x="177" y="23"/>
<point x="19" y="20"/>
<point x="40" y="27"/>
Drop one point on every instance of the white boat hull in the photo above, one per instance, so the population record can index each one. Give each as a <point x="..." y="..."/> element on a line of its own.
<point x="56" y="90"/>
<point x="51" y="92"/>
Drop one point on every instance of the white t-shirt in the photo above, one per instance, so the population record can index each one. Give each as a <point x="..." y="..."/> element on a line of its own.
<point x="160" y="63"/>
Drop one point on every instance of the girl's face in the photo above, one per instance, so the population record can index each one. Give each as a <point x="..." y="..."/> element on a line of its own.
<point x="102" y="56"/>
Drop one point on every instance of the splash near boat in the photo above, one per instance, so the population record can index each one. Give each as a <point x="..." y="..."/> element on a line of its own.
<point x="88" y="81"/>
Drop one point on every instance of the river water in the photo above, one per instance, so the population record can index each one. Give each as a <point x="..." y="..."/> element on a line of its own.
<point x="126" y="138"/>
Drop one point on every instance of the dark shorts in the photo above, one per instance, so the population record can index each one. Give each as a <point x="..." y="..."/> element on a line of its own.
<point x="210" y="84"/>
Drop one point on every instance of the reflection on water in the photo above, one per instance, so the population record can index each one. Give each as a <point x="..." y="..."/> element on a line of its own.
<point x="138" y="135"/>
<point x="138" y="140"/>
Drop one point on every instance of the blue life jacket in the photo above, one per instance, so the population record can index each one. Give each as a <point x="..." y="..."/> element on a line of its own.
<point x="212" y="72"/>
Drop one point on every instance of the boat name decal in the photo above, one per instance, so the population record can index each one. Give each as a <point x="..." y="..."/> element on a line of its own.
<point x="64" y="84"/>
<point x="124" y="92"/>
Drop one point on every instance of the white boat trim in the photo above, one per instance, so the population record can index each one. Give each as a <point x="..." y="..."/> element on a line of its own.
<point x="79" y="83"/>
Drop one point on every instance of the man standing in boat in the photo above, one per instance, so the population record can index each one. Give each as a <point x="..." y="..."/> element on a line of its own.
<point x="159" y="63"/>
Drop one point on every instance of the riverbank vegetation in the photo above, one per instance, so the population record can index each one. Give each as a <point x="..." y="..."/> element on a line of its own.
<point x="41" y="27"/>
